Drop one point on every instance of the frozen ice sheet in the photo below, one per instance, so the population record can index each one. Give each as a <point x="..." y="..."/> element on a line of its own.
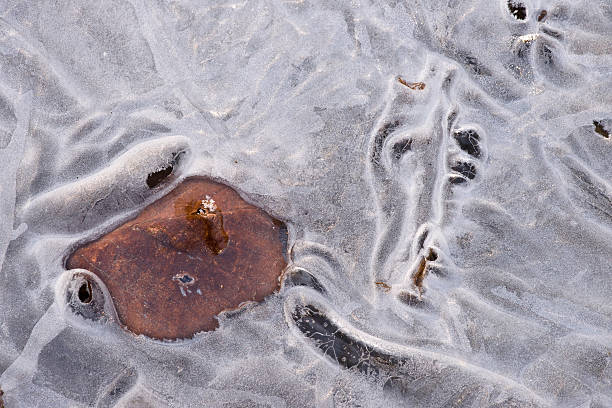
<point x="444" y="169"/>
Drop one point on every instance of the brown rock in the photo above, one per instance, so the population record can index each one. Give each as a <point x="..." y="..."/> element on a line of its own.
<point x="197" y="251"/>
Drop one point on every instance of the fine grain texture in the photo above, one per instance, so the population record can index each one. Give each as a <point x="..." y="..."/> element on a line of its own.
<point x="197" y="251"/>
<point x="443" y="169"/>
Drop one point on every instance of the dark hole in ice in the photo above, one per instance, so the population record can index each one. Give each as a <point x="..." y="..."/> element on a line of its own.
<point x="468" y="141"/>
<point x="517" y="9"/>
<point x="85" y="298"/>
<point x="85" y="294"/>
<point x="301" y="277"/>
<point x="457" y="180"/>
<point x="340" y="347"/>
<point x="400" y="148"/>
<point x="599" y="128"/>
<point x="432" y="256"/>
<point x="380" y="138"/>
<point x="157" y="177"/>
<point x="542" y="16"/>
<point x="466" y="169"/>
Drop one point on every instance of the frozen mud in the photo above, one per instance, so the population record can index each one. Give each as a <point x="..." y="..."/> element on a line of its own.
<point x="444" y="169"/>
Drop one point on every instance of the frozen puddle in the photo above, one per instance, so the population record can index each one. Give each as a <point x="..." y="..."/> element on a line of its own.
<point x="442" y="170"/>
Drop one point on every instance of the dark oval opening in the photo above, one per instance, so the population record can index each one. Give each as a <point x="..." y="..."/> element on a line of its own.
<point x="517" y="9"/>
<point x="85" y="294"/>
<point x="468" y="141"/>
<point x="157" y="177"/>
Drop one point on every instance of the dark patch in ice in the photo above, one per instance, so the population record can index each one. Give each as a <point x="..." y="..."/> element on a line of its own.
<point x="517" y="9"/>
<point x="301" y="277"/>
<point x="432" y="255"/>
<point x="414" y="381"/>
<point x="340" y="347"/>
<point x="468" y="141"/>
<point x="401" y="147"/>
<point x="466" y="169"/>
<point x="380" y="138"/>
<point x="157" y="177"/>
<point x="184" y="279"/>
<point x="600" y="128"/>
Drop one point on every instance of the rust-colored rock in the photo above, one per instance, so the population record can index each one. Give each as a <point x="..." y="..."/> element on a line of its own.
<point x="197" y="251"/>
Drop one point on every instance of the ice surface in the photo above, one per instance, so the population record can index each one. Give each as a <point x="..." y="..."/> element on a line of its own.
<point x="451" y="243"/>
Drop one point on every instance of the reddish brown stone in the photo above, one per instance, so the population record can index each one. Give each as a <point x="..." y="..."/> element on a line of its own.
<point x="197" y="251"/>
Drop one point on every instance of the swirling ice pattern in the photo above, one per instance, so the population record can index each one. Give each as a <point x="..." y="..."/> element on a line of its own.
<point x="444" y="170"/>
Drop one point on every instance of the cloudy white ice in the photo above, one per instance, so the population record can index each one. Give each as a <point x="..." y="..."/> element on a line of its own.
<point x="451" y="242"/>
